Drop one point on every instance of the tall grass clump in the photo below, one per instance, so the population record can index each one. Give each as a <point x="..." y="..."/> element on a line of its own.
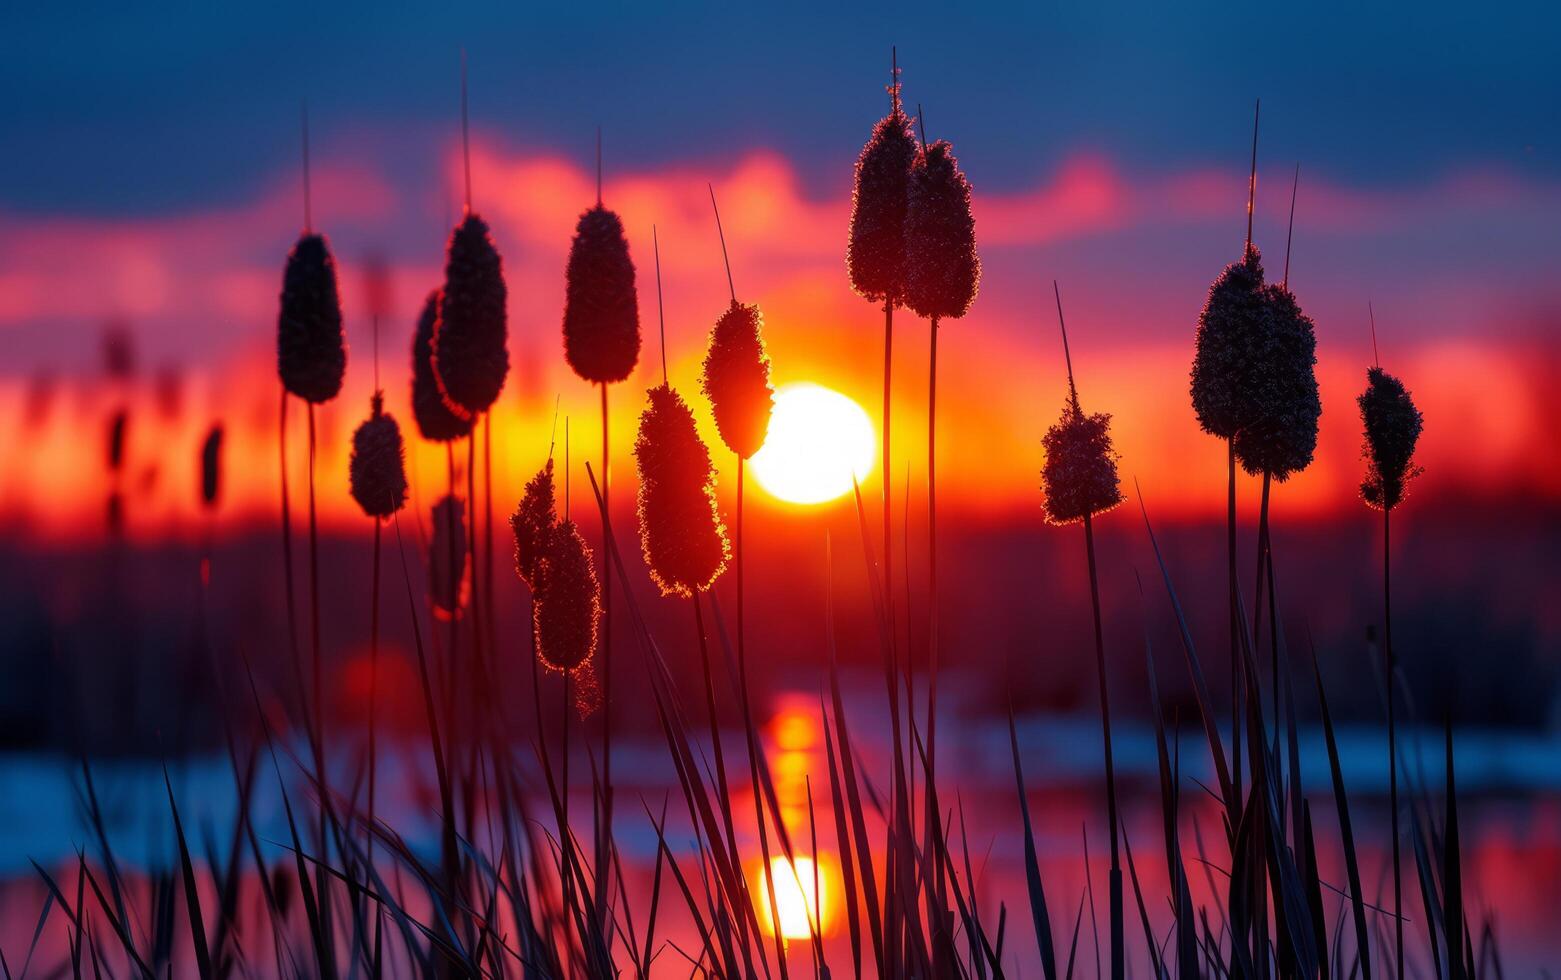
<point x="1078" y="481"/>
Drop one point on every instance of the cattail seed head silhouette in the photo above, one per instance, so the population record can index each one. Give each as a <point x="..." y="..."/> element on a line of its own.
<point x="434" y="419"/>
<point x="601" y="308"/>
<point x="447" y="556"/>
<point x="1232" y="318"/>
<point x="1079" y="476"/>
<point x="1393" y="425"/>
<point x="377" y="470"/>
<point x="211" y="467"/>
<point x="1281" y="435"/>
<point x="737" y="379"/>
<point x="875" y="255"/>
<point x="567" y="609"/>
<point x="681" y="533"/>
<point x="311" y="350"/>
<point x="118" y="426"/>
<point x="942" y="270"/>
<point x="471" y="359"/>
<point x="533" y="523"/>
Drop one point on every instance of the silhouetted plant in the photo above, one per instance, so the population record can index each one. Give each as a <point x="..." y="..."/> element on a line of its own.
<point x="681" y="532"/>
<point x="532" y="525"/>
<point x="567" y="610"/>
<point x="942" y="270"/>
<point x="1392" y="424"/>
<point x="601" y="307"/>
<point x="447" y="556"/>
<point x="471" y="358"/>
<point x="434" y="419"/>
<point x="736" y="379"/>
<point x="211" y="467"/>
<point x="311" y="348"/>
<point x="377" y="470"/>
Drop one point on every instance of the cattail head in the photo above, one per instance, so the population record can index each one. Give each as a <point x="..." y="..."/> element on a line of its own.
<point x="875" y="256"/>
<point x="1281" y="434"/>
<point x="601" y="309"/>
<point x="311" y="351"/>
<point x="1232" y="319"/>
<point x="377" y="471"/>
<point x="681" y="532"/>
<point x="118" y="425"/>
<point x="942" y="270"/>
<point x="1079" y="476"/>
<point x="588" y="688"/>
<point x="737" y="379"/>
<point x="470" y="356"/>
<point x="211" y="467"/>
<point x="567" y="606"/>
<point x="533" y="523"/>
<point x="1393" y="426"/>
<point x="435" y="421"/>
<point x="447" y="556"/>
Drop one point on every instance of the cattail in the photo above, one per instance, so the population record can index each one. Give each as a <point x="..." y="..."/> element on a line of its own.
<point x="1393" y="426"/>
<point x="681" y="533"/>
<point x="1229" y="328"/>
<point x="601" y="309"/>
<point x="737" y="379"/>
<point x="211" y="467"/>
<point x="875" y="256"/>
<point x="942" y="270"/>
<point x="1280" y="435"/>
<point x="447" y="556"/>
<point x="434" y="419"/>
<point x="310" y="347"/>
<point x="587" y="684"/>
<point x="117" y="427"/>
<point x="567" y="609"/>
<point x="533" y="524"/>
<point x="377" y="471"/>
<point x="470" y="357"/>
<point x="1079" y="476"/>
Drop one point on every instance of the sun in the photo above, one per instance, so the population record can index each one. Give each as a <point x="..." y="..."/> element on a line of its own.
<point x="818" y="440"/>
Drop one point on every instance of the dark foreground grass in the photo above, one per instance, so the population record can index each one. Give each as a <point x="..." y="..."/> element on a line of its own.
<point x="510" y="891"/>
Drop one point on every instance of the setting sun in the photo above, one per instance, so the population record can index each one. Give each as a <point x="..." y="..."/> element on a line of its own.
<point x="799" y="896"/>
<point x="819" y="440"/>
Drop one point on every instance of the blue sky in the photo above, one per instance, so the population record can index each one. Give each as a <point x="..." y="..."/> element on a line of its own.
<point x="111" y="111"/>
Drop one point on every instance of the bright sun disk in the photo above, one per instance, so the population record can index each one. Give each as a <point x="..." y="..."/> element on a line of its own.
<point x="818" y="440"/>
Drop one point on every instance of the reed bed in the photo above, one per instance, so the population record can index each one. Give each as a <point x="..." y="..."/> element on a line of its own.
<point x="497" y="884"/>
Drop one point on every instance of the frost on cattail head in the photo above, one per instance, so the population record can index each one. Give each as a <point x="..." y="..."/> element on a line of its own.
<point x="311" y="351"/>
<point x="681" y="532"/>
<point x="211" y="467"/>
<point x="737" y="379"/>
<point x="1079" y="476"/>
<point x="533" y="524"/>
<point x="942" y="270"/>
<point x="1281" y="435"/>
<point x="447" y="556"/>
<point x="567" y="609"/>
<point x="601" y="308"/>
<point x="875" y="256"/>
<point x="377" y="470"/>
<point x="1232" y="319"/>
<point x="1393" y="426"/>
<point x="471" y="358"/>
<point x="434" y="419"/>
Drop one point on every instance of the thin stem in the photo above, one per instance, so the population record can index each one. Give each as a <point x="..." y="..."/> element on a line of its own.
<point x="661" y="310"/>
<point x="1073" y="391"/>
<point x="1376" y="357"/>
<point x="1295" y="186"/>
<point x="487" y="504"/>
<point x="724" y="257"/>
<point x="598" y="166"/>
<point x="1235" y="627"/>
<point x="932" y="571"/>
<point x="604" y="839"/>
<point x="373" y="686"/>
<point x="1387" y="643"/>
<point x="1252" y="179"/>
<point x="894" y="78"/>
<point x="921" y="124"/>
<point x="466" y="146"/>
<point x="314" y="589"/>
<point x="888" y="415"/>
<point x="1117" y="956"/>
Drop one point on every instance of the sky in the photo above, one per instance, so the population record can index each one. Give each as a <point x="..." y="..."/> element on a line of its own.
<point x="153" y="178"/>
